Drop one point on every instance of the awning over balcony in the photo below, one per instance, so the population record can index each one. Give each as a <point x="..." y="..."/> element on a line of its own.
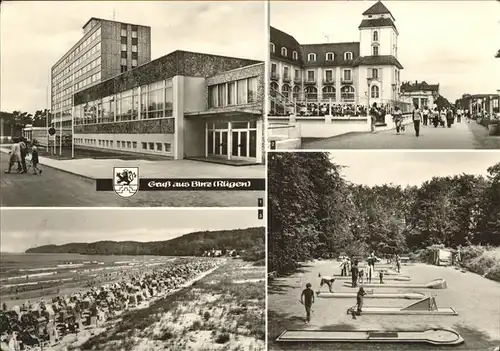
<point x="229" y="113"/>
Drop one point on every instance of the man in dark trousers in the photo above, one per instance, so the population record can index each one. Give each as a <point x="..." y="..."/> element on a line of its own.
<point x="307" y="299"/>
<point x="24" y="152"/>
<point x="354" y="274"/>
<point x="417" y="117"/>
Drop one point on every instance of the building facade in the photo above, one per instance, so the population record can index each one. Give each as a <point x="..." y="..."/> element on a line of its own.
<point x="420" y="93"/>
<point x="182" y="105"/>
<point x="106" y="49"/>
<point x="351" y="73"/>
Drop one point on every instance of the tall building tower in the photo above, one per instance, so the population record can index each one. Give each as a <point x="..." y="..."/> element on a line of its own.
<point x="378" y="63"/>
<point x="106" y="49"/>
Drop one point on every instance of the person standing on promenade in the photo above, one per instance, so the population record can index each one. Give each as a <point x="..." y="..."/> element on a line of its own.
<point x="374" y="113"/>
<point x="417" y="117"/>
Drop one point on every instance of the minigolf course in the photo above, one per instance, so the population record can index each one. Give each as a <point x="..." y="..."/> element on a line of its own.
<point x="430" y="336"/>
<point x="340" y="295"/>
<point x="435" y="284"/>
<point x="402" y="278"/>
<point x="425" y="306"/>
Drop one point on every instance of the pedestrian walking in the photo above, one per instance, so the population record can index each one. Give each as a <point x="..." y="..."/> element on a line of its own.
<point x="15" y="156"/>
<point x="417" y="117"/>
<point x="374" y="113"/>
<point x="35" y="160"/>
<point x="307" y="299"/>
<point x="24" y="152"/>
<point x="426" y="115"/>
<point x="398" y="119"/>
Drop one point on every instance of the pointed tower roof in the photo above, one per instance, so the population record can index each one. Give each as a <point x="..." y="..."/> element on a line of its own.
<point x="377" y="9"/>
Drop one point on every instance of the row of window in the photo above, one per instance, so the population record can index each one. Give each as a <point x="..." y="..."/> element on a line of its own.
<point x="90" y="53"/>
<point x="155" y="101"/>
<point x="87" y="68"/>
<point x="311" y="57"/>
<point x="329" y="92"/>
<point x="328" y="74"/>
<point x="83" y="45"/>
<point x="123" y="32"/>
<point x="311" y="93"/>
<point x="122" y="144"/>
<point x="124" y="62"/>
<point x="124" y="47"/>
<point x="240" y="92"/>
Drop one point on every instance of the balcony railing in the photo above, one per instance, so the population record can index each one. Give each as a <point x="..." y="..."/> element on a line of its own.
<point x="297" y="80"/>
<point x="346" y="80"/>
<point x="287" y="79"/>
<point x="310" y="81"/>
<point x="329" y="81"/>
<point x="275" y="76"/>
<point x="347" y="96"/>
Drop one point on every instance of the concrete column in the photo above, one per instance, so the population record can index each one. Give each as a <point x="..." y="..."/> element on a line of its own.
<point x="206" y="139"/>
<point x="178" y="113"/>
<point x="230" y="141"/>
<point x="139" y="105"/>
<point x="260" y="140"/>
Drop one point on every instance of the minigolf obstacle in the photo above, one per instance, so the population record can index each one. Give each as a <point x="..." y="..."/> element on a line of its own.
<point x="429" y="336"/>
<point x="378" y="295"/>
<point x="425" y="306"/>
<point x="403" y="278"/>
<point x="435" y="284"/>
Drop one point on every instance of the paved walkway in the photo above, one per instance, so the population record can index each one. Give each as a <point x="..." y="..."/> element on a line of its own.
<point x="103" y="168"/>
<point x="459" y="136"/>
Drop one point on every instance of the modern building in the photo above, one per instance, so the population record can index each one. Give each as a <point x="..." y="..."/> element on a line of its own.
<point x="182" y="105"/>
<point x="106" y="49"/>
<point x="348" y="73"/>
<point x="420" y="93"/>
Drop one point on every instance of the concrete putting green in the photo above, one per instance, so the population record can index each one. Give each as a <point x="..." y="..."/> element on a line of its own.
<point x="408" y="296"/>
<point x="435" y="284"/>
<point x="425" y="306"/>
<point x="430" y="336"/>
<point x="402" y="278"/>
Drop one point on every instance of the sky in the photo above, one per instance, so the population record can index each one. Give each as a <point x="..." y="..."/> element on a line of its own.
<point x="35" y="34"/>
<point x="24" y="228"/>
<point x="410" y="167"/>
<point x="452" y="43"/>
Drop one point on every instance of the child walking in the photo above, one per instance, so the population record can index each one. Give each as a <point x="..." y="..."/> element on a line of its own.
<point x="34" y="160"/>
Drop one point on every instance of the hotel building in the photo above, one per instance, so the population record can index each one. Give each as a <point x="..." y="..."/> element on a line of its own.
<point x="182" y="105"/>
<point x="106" y="49"/>
<point x="350" y="73"/>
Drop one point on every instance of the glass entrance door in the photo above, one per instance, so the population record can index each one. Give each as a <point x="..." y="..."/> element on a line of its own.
<point x="240" y="143"/>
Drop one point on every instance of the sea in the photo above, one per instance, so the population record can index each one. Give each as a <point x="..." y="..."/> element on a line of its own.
<point x="32" y="265"/>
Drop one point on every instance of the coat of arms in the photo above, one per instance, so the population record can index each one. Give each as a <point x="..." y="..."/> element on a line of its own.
<point x="126" y="181"/>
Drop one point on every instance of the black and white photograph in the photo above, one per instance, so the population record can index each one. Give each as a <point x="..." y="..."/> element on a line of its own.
<point x="163" y="90"/>
<point x="383" y="250"/>
<point x="132" y="279"/>
<point x="384" y="75"/>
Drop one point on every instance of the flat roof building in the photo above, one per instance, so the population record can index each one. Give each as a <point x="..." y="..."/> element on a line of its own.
<point x="106" y="49"/>
<point x="182" y="105"/>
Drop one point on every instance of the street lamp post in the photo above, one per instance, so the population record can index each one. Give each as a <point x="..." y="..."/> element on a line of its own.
<point x="368" y="82"/>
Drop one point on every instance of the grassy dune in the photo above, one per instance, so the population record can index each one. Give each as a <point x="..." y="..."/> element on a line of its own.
<point x="223" y="311"/>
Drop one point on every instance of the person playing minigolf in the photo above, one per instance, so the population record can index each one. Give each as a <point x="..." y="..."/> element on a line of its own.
<point x="371" y="266"/>
<point x="354" y="274"/>
<point x="307" y="299"/>
<point x="356" y="310"/>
